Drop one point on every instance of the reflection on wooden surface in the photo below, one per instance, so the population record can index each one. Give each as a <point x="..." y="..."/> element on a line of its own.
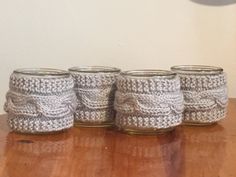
<point x="148" y="156"/>
<point x="93" y="152"/>
<point x="89" y="152"/>
<point x="36" y="155"/>
<point x="205" y="150"/>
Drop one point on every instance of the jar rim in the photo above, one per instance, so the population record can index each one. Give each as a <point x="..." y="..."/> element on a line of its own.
<point x="41" y="72"/>
<point x="199" y="69"/>
<point x="148" y="73"/>
<point x="94" y="69"/>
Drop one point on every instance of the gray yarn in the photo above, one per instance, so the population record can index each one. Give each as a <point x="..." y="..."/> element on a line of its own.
<point x="148" y="103"/>
<point x="95" y="94"/>
<point x="95" y="98"/>
<point x="49" y="106"/>
<point x="40" y="104"/>
<point x="205" y="97"/>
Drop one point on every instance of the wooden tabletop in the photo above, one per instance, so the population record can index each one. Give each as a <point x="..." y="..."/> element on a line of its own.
<point x="90" y="152"/>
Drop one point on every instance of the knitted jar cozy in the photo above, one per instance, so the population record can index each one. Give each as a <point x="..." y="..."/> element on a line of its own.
<point x="40" y="100"/>
<point x="148" y="100"/>
<point x="95" y="89"/>
<point x="205" y="93"/>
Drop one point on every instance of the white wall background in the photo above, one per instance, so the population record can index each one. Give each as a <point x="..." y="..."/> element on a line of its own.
<point x="130" y="34"/>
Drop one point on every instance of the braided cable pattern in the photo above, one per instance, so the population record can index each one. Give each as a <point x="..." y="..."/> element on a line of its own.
<point x="148" y="105"/>
<point x="49" y="106"/>
<point x="95" y="93"/>
<point x="205" y="97"/>
<point x="206" y="100"/>
<point x="37" y="104"/>
<point x="95" y="98"/>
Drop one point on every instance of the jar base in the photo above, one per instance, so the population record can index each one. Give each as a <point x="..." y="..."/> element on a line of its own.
<point x="90" y="124"/>
<point x="192" y="123"/>
<point x="41" y="133"/>
<point x="145" y="132"/>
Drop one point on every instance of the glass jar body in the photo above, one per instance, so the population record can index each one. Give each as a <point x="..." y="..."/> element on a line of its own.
<point x="148" y="102"/>
<point x="205" y="93"/>
<point x="40" y="101"/>
<point x="95" y="89"/>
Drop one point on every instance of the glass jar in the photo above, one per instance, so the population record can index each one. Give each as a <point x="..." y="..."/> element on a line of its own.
<point x="148" y="101"/>
<point x="95" y="89"/>
<point x="205" y="93"/>
<point x="40" y="100"/>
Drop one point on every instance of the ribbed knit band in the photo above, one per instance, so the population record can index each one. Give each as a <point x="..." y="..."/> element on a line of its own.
<point x="40" y="85"/>
<point x="202" y="82"/>
<point x="95" y="116"/>
<point x="39" y="124"/>
<point x="147" y="86"/>
<point x="138" y="122"/>
<point x="93" y="80"/>
<point x="207" y="116"/>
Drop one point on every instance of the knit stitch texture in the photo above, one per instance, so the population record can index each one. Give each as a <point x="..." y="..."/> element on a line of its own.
<point x="40" y="104"/>
<point x="205" y="97"/>
<point x="148" y="103"/>
<point x="95" y="94"/>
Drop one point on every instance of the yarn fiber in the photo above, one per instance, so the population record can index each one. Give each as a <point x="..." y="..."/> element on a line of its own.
<point x="148" y="103"/>
<point x="205" y="96"/>
<point x="95" y="93"/>
<point x="38" y="104"/>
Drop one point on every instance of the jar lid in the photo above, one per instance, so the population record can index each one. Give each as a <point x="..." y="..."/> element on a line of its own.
<point x="197" y="69"/>
<point x="95" y="69"/>
<point x="41" y="72"/>
<point x="148" y="73"/>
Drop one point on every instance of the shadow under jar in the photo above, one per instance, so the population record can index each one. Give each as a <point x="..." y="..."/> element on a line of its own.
<point x="95" y="89"/>
<point x="148" y="101"/>
<point x="40" y="100"/>
<point x="205" y="93"/>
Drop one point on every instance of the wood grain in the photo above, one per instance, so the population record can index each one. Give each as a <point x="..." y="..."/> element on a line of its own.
<point x="90" y="152"/>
